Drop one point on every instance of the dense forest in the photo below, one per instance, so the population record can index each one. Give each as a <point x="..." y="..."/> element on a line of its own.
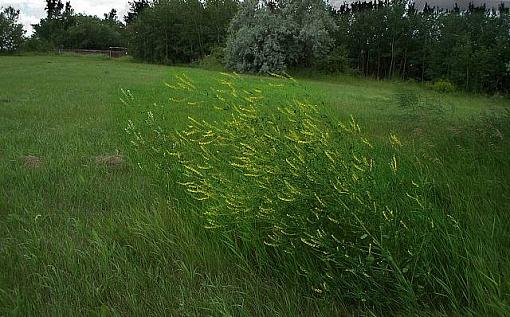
<point x="175" y="31"/>
<point x="469" y="48"/>
<point x="384" y="39"/>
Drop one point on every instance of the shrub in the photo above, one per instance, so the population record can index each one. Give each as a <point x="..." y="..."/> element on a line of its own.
<point x="286" y="179"/>
<point x="443" y="85"/>
<point x="213" y="61"/>
<point x="269" y="37"/>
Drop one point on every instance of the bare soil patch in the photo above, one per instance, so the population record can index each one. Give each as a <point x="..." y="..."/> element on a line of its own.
<point x="110" y="160"/>
<point x="32" y="161"/>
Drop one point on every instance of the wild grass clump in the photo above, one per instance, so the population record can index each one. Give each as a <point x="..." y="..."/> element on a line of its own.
<point x="443" y="86"/>
<point x="314" y="199"/>
<point x="418" y="106"/>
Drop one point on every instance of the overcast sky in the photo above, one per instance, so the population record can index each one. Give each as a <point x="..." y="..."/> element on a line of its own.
<point x="33" y="10"/>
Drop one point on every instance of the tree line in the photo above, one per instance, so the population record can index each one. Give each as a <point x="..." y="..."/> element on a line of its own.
<point x="382" y="39"/>
<point x="159" y="31"/>
<point x="63" y="28"/>
<point x="177" y="31"/>
<point x="470" y="48"/>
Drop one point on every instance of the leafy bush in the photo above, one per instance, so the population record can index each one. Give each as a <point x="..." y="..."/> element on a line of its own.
<point x="443" y="85"/>
<point x="314" y="192"/>
<point x="213" y="61"/>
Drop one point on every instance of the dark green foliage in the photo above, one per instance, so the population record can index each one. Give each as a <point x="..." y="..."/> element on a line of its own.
<point x="54" y="8"/>
<point x="11" y="31"/>
<point x="64" y="29"/>
<point x="469" y="48"/>
<point x="172" y="31"/>
<point x="135" y="9"/>
<point x="93" y="33"/>
<point x="111" y="17"/>
<point x="34" y="44"/>
<point x="214" y="61"/>
<point x="335" y="62"/>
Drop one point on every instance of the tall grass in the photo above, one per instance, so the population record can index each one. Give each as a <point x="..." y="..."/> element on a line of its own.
<point x="356" y="221"/>
<point x="83" y="235"/>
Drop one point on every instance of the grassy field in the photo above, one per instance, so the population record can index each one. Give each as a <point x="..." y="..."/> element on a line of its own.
<point x="89" y="225"/>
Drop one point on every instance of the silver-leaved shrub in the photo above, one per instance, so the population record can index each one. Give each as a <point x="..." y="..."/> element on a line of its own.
<point x="271" y="36"/>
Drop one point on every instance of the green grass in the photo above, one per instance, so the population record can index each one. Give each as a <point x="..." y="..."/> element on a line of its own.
<point x="78" y="237"/>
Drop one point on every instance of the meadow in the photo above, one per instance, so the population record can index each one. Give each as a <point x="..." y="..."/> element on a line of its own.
<point x="95" y="219"/>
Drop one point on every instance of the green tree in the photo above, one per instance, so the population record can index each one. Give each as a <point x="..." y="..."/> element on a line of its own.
<point x="135" y="9"/>
<point x="54" y="8"/>
<point x="63" y="28"/>
<point x="217" y="17"/>
<point x="90" y="32"/>
<point x="470" y="48"/>
<point x="53" y="28"/>
<point x="11" y="31"/>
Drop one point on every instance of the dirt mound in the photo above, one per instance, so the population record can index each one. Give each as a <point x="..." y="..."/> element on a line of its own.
<point x="32" y="161"/>
<point x="109" y="160"/>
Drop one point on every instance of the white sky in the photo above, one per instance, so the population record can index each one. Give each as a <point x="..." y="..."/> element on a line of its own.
<point x="31" y="11"/>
